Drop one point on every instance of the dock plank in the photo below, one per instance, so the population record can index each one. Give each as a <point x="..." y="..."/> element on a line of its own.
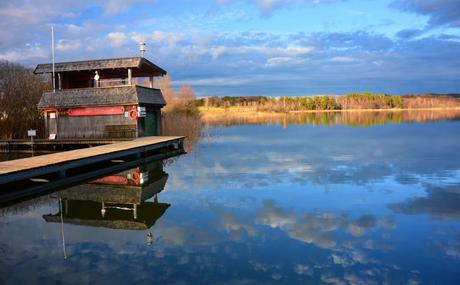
<point x="24" y="164"/>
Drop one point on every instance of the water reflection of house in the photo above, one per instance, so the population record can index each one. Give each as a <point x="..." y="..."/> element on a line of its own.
<point x="116" y="201"/>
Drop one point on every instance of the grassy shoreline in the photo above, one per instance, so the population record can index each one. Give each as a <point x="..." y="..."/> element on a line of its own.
<point x="248" y="110"/>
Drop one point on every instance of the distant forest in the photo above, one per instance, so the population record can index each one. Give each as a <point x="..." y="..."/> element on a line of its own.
<point x="334" y="102"/>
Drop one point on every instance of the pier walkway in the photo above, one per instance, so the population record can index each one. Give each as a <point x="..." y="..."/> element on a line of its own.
<point x="45" y="145"/>
<point x="70" y="163"/>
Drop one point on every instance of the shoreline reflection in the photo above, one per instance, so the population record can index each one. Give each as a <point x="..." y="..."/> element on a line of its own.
<point x="332" y="118"/>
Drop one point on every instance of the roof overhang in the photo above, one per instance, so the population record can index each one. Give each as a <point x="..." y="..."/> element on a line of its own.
<point x="106" y="96"/>
<point x="141" y="65"/>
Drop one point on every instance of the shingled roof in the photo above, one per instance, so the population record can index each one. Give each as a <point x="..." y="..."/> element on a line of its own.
<point x="101" y="97"/>
<point x="100" y="64"/>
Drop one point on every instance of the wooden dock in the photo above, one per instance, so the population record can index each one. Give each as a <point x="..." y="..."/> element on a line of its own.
<point x="74" y="166"/>
<point x="26" y="145"/>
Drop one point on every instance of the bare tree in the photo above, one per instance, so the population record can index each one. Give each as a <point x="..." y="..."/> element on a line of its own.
<point x="20" y="91"/>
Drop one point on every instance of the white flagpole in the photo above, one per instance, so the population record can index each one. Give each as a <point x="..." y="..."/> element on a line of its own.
<point x="52" y="55"/>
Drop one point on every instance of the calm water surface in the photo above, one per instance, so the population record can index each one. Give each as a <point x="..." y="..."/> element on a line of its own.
<point x="257" y="203"/>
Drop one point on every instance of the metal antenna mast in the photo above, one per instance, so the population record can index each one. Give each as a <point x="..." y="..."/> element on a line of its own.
<point x="52" y="55"/>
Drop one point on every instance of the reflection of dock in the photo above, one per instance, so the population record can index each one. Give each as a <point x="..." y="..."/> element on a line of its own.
<point x="60" y="169"/>
<point x="116" y="201"/>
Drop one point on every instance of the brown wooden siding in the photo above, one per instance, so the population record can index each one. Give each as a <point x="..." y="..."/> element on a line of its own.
<point x="111" y="126"/>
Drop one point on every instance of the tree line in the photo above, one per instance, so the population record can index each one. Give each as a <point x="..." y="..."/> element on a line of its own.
<point x="332" y="102"/>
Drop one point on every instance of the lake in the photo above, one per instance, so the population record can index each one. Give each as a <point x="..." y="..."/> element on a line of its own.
<point x="356" y="198"/>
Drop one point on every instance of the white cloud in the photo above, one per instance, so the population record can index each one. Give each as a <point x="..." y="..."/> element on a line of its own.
<point x="273" y="216"/>
<point x="235" y="226"/>
<point x="356" y="230"/>
<point x="138" y="37"/>
<point x="158" y="36"/>
<point x="173" y="39"/>
<point x="68" y="45"/>
<point x="169" y="39"/>
<point x="112" y="7"/>
<point x="220" y="82"/>
<point x="289" y="51"/>
<point x="223" y="2"/>
<point x="216" y="52"/>
<point x="116" y="39"/>
<point x="343" y="59"/>
<point x="267" y="6"/>
<point x="283" y="60"/>
<point x="25" y="54"/>
<point x="303" y="269"/>
<point x="322" y="1"/>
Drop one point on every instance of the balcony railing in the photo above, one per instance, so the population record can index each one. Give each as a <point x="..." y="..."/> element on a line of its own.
<point x="123" y="82"/>
<point x="111" y="82"/>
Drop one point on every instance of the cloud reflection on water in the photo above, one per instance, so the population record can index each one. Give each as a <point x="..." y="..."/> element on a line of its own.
<point x="441" y="203"/>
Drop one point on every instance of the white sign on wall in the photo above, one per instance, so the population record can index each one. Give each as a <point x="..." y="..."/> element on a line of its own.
<point x="32" y="133"/>
<point x="141" y="112"/>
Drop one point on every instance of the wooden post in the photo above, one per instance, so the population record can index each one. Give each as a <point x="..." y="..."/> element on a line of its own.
<point x="57" y="123"/>
<point x="59" y="81"/>
<point x="151" y="82"/>
<point x="47" y="133"/>
<point x="130" y="79"/>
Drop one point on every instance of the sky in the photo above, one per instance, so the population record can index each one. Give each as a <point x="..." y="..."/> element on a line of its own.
<point x="252" y="47"/>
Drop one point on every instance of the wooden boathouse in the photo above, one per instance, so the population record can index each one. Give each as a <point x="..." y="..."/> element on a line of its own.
<point x="102" y="99"/>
